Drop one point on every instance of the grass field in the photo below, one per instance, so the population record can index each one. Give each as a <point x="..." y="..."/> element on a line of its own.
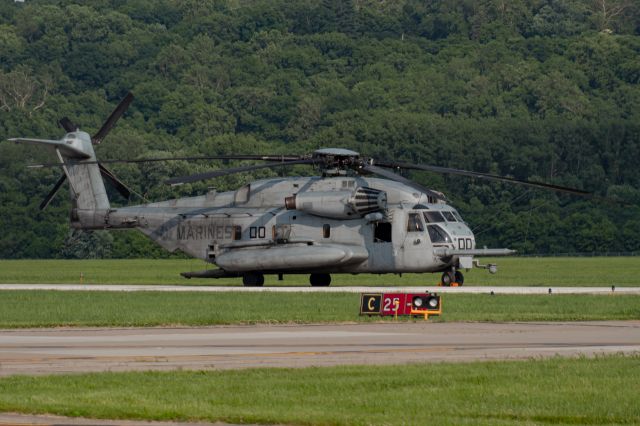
<point x="555" y="391"/>
<point x="52" y="308"/>
<point x="541" y="271"/>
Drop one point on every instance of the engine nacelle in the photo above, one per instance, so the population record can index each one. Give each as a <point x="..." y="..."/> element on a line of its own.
<point x="338" y="204"/>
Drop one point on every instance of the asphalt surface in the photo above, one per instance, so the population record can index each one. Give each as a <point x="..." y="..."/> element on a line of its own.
<point x="335" y="289"/>
<point x="46" y="351"/>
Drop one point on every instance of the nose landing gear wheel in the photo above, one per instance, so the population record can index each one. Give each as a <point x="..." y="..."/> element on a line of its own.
<point x="320" y="280"/>
<point x="451" y="277"/>
<point x="253" y="279"/>
<point x="448" y="278"/>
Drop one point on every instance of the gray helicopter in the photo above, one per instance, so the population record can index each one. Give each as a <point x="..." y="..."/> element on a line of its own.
<point x="342" y="221"/>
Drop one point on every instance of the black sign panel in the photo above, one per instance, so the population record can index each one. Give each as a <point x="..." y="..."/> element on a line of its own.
<point x="370" y="303"/>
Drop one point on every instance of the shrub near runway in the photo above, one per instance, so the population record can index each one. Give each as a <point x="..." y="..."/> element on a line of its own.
<point x="603" y="390"/>
<point x="56" y="308"/>
<point x="546" y="271"/>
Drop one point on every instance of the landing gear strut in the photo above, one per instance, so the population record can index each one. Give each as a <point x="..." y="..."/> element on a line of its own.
<point x="320" y="280"/>
<point x="450" y="277"/>
<point x="253" y="279"/>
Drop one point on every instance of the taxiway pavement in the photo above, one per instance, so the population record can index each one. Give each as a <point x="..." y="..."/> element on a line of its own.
<point x="46" y="351"/>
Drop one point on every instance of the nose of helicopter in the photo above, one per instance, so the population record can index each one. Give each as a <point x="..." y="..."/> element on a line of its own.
<point x="462" y="236"/>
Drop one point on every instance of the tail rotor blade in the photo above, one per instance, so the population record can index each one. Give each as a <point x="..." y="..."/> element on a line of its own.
<point x="53" y="192"/>
<point x="113" y="118"/>
<point x="67" y="125"/>
<point x="117" y="183"/>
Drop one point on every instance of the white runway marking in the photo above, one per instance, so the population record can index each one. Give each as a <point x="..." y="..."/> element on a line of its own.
<point x="350" y="289"/>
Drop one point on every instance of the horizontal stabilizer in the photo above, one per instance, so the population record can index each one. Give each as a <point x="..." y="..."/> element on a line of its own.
<point x="65" y="149"/>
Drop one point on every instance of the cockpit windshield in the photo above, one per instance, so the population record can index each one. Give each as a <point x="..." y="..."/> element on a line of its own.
<point x="449" y="216"/>
<point x="433" y="217"/>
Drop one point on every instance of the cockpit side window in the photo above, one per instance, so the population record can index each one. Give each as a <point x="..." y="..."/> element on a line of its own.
<point x="433" y="217"/>
<point x="438" y="235"/>
<point x="414" y="223"/>
<point x="449" y="216"/>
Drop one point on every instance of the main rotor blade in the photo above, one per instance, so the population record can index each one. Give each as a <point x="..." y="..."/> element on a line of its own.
<point x="67" y="125"/>
<point x="117" y="183"/>
<point x="285" y="158"/>
<point x="459" y="172"/>
<point x="111" y="121"/>
<point x="393" y="176"/>
<point x="53" y="192"/>
<point x="217" y="173"/>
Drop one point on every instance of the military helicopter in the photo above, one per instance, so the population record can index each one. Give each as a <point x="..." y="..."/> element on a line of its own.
<point x="344" y="220"/>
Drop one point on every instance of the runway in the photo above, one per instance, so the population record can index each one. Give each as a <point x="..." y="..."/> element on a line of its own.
<point x="46" y="351"/>
<point x="335" y="289"/>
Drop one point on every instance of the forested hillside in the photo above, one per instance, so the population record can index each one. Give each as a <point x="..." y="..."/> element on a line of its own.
<point x="534" y="89"/>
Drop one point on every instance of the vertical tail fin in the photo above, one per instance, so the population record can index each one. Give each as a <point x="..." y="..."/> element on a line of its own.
<point x="87" y="187"/>
<point x="78" y="159"/>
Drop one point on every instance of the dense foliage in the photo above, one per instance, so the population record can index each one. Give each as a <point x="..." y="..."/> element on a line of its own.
<point x="539" y="89"/>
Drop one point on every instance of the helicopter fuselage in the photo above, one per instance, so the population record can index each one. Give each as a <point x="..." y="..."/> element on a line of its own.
<point x="344" y="224"/>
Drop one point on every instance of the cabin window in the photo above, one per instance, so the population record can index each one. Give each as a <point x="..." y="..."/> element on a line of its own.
<point x="382" y="232"/>
<point x="326" y="230"/>
<point x="438" y="235"/>
<point x="449" y="216"/>
<point x="433" y="217"/>
<point x="414" y="224"/>
<point x="237" y="232"/>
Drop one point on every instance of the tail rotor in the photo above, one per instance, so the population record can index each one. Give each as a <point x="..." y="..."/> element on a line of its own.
<point x="69" y="126"/>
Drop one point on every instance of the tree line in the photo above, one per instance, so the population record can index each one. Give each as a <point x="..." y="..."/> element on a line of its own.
<point x="543" y="90"/>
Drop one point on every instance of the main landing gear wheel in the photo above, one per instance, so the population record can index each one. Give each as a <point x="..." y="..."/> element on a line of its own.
<point x="253" y="279"/>
<point x="459" y="277"/>
<point x="320" y="280"/>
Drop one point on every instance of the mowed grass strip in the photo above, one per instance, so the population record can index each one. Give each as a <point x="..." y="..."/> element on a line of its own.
<point x="513" y="271"/>
<point x="20" y="309"/>
<point x="602" y="390"/>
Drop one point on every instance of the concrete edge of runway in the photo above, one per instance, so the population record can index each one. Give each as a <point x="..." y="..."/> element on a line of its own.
<point x="308" y="289"/>
<point x="12" y="419"/>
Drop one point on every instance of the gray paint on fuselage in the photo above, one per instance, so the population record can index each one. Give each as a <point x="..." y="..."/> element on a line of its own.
<point x="196" y="225"/>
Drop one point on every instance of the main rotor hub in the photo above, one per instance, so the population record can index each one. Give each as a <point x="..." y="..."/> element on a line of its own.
<point x="337" y="161"/>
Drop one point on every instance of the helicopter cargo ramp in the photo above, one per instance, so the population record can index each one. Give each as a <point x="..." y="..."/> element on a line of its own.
<point x="334" y="289"/>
